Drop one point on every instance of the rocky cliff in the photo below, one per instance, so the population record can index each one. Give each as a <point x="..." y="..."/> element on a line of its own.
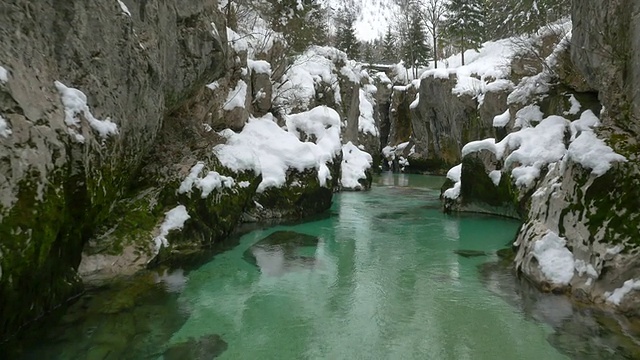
<point x="566" y="162"/>
<point x="85" y="90"/>
<point x="124" y="121"/>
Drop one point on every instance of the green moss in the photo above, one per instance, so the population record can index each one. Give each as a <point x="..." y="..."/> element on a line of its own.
<point x="296" y="201"/>
<point x="477" y="186"/>
<point x="39" y="241"/>
<point x="615" y="196"/>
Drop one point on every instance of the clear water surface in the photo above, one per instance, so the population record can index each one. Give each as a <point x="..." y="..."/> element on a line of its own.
<point x="385" y="281"/>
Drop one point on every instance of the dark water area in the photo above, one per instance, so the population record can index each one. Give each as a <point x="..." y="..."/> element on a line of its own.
<point x="383" y="275"/>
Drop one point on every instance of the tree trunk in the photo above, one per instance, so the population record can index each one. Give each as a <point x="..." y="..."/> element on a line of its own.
<point x="435" y="50"/>
<point x="462" y="47"/>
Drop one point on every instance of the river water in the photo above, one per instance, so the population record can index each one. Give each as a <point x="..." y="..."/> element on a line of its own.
<point x="385" y="275"/>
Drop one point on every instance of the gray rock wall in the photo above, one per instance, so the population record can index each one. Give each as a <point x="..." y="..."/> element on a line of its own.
<point x="134" y="69"/>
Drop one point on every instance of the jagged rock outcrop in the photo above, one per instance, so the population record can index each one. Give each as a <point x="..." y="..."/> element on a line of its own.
<point x="63" y="168"/>
<point x="572" y="176"/>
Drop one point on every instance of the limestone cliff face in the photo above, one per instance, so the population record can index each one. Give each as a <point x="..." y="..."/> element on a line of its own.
<point x="597" y="215"/>
<point x="136" y="64"/>
<point x="438" y="123"/>
<point x="446" y="121"/>
<point x="589" y="217"/>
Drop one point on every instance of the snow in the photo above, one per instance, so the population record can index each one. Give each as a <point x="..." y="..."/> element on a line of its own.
<point x="454" y="174"/>
<point x="615" y="250"/>
<point x="592" y="153"/>
<point x="366" y="122"/>
<point x="495" y="176"/>
<point x="188" y="182"/>
<point x="415" y="102"/>
<point x="575" y="106"/>
<point x="619" y="293"/>
<point x="554" y="259"/>
<point x="586" y="122"/>
<point x="4" y="75"/>
<point x="316" y="67"/>
<point x="212" y="181"/>
<point x="259" y="66"/>
<point x="124" y="8"/>
<point x="236" y="97"/>
<point x="214" y="85"/>
<point x="5" y="130"/>
<point x="485" y="70"/>
<point x="535" y="148"/>
<point x="238" y="43"/>
<point x="538" y="86"/>
<point x="75" y="105"/>
<point x="485" y="144"/>
<point x="583" y="267"/>
<point x="528" y="115"/>
<point x="532" y="148"/>
<point x="382" y="77"/>
<point x="267" y="149"/>
<point x="174" y="219"/>
<point x="502" y="120"/>
<point x="355" y="162"/>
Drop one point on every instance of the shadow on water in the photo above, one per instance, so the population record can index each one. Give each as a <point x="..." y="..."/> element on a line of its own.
<point x="580" y="332"/>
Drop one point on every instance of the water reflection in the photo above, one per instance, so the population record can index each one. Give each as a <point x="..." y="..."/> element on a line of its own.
<point x="580" y="332"/>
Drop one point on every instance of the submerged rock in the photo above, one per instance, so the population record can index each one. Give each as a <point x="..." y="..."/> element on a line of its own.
<point x="471" y="253"/>
<point x="205" y="347"/>
<point x="283" y="251"/>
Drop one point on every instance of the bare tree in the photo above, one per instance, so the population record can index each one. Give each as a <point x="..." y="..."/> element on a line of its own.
<point x="433" y="12"/>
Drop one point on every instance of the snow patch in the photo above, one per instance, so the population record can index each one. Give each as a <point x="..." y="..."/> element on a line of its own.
<point x="124" y="8"/>
<point x="502" y="120"/>
<point x="75" y="105"/>
<point x="592" y="153"/>
<point x="236" y="97"/>
<point x="267" y="149"/>
<point x="495" y="176"/>
<point x="4" y="75"/>
<point x="259" y="66"/>
<point x="174" y="219"/>
<point x="212" y="181"/>
<point x="454" y="174"/>
<point x="575" y="106"/>
<point x="355" y="163"/>
<point x="619" y="293"/>
<point x="528" y="115"/>
<point x="214" y="85"/>
<point x="554" y="259"/>
<point x="5" y="130"/>
<point x="366" y="122"/>
<point x="583" y="267"/>
<point x="238" y="43"/>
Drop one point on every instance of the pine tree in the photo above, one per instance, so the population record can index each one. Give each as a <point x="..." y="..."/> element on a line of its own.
<point x="367" y="53"/>
<point x="465" y="24"/>
<point x="302" y="22"/>
<point x="416" y="50"/>
<point x="516" y="17"/>
<point x="346" y="37"/>
<point x="390" y="51"/>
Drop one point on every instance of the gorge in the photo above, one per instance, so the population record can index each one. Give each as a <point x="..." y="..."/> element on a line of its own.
<point x="139" y="135"/>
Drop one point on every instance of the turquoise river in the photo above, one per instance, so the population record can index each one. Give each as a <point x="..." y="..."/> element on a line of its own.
<point x="384" y="275"/>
